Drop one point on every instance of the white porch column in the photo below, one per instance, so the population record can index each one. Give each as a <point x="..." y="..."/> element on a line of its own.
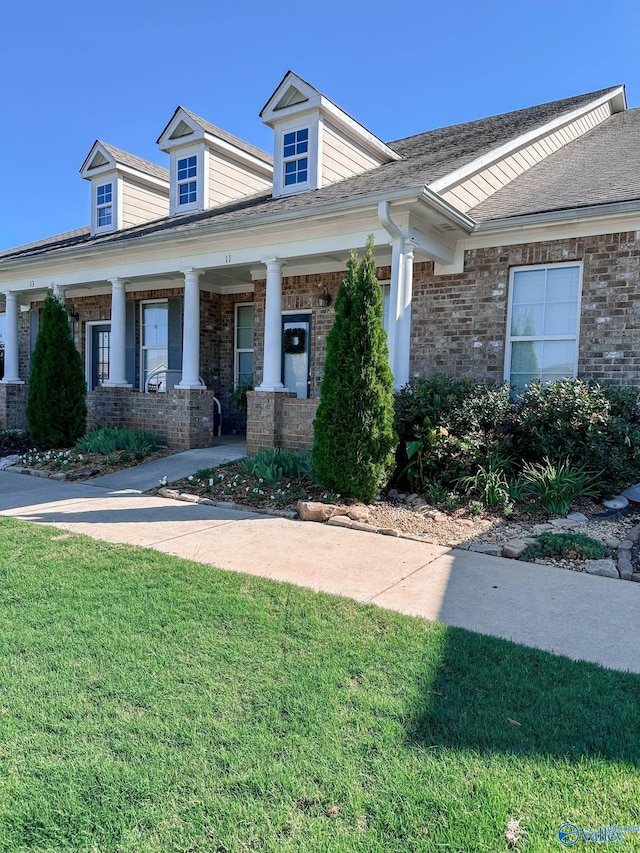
<point x="11" y="373"/>
<point x="272" y="364"/>
<point x="117" y="338"/>
<point x="395" y="299"/>
<point x="191" y="331"/>
<point x="403" y="328"/>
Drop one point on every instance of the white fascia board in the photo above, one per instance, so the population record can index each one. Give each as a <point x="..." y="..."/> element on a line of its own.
<point x="496" y="154"/>
<point x="165" y="143"/>
<point x="434" y="201"/>
<point x="235" y="153"/>
<point x="268" y="114"/>
<point x="97" y="146"/>
<point x="355" y="130"/>
<point x="559" y="216"/>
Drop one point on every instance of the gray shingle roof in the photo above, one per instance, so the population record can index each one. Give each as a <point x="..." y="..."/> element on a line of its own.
<point x="135" y="162"/>
<point x="230" y="138"/>
<point x="426" y="157"/>
<point x="601" y="167"/>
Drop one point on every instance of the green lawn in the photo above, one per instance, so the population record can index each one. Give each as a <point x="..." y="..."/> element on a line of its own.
<point x="151" y="704"/>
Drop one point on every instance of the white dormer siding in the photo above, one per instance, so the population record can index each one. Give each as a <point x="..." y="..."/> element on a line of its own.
<point x="477" y="181"/>
<point x="337" y="146"/>
<point x="210" y="167"/>
<point x="125" y="190"/>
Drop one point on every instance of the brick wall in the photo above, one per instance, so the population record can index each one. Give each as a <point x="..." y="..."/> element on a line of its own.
<point x="180" y="418"/>
<point x="13" y="405"/>
<point x="459" y="322"/>
<point x="279" y="419"/>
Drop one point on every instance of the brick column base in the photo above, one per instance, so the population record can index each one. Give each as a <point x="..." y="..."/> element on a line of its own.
<point x="13" y="406"/>
<point x="279" y="419"/>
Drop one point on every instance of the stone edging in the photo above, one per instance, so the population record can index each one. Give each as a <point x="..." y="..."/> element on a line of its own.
<point x="76" y="474"/>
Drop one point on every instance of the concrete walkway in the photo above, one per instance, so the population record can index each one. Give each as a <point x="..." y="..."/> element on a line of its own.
<point x="582" y="616"/>
<point x="147" y="476"/>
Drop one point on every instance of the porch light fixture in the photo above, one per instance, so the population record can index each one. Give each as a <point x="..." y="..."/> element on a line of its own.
<point x="72" y="314"/>
<point x="324" y="300"/>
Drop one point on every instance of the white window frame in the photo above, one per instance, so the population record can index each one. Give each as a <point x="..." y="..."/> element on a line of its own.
<point x="311" y="123"/>
<point x="115" y="180"/>
<point x="88" y="346"/>
<point x="236" y="349"/>
<point x="144" y="302"/>
<point x="511" y="338"/>
<point x="201" y="167"/>
<point x="105" y="205"/>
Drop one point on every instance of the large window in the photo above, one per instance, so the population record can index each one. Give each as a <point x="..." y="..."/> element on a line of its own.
<point x="154" y="341"/>
<point x="104" y="200"/>
<point x="543" y="324"/>
<point x="295" y="157"/>
<point x="187" y="174"/>
<point x="244" y="345"/>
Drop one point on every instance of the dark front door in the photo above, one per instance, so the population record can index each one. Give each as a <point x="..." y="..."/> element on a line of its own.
<point x="100" y="342"/>
<point x="296" y="353"/>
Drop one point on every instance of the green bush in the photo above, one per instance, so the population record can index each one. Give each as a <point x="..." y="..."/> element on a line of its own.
<point x="354" y="437"/>
<point x="448" y="428"/>
<point x="583" y="422"/>
<point x="572" y="546"/>
<point x="56" y="403"/>
<point x="489" y="484"/>
<point x="110" y="440"/>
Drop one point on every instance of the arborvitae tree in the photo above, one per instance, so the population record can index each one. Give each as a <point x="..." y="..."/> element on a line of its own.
<point x="56" y="405"/>
<point x="354" y="438"/>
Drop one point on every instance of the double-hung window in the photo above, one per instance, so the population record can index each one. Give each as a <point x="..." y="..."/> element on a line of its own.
<point x="154" y="341"/>
<point x="543" y="324"/>
<point x="296" y="157"/>
<point x="187" y="180"/>
<point x="244" y="345"/>
<point x="104" y="205"/>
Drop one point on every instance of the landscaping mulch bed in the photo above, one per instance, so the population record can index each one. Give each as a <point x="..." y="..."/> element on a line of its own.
<point x="71" y="465"/>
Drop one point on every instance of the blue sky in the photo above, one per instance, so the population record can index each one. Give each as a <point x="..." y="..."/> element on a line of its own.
<point x="72" y="72"/>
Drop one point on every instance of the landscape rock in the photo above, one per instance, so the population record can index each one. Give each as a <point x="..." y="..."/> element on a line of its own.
<point x="82" y="473"/>
<point x="634" y="533"/>
<point x="625" y="545"/>
<point x="541" y="528"/>
<point x="611" y="542"/>
<point x="392" y="494"/>
<point x="388" y="531"/>
<point x="418" y="503"/>
<point x="578" y="517"/>
<point x="8" y="461"/>
<point x="411" y="498"/>
<point x="513" y="549"/>
<point x="59" y="475"/>
<point x="315" y="511"/>
<point x="367" y="528"/>
<point x="564" y="523"/>
<point x="188" y="498"/>
<point x="340" y="521"/>
<point x="625" y="566"/>
<point x="604" y="568"/>
<point x="168" y="493"/>
<point x="358" y="513"/>
<point x="490" y="550"/>
<point x="621" y="501"/>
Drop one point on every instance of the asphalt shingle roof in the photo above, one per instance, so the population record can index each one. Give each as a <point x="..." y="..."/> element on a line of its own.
<point x="135" y="162"/>
<point x="230" y="138"/>
<point x="426" y="157"/>
<point x="601" y="167"/>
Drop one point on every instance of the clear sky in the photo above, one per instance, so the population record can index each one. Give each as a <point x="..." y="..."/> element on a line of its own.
<point x="72" y="72"/>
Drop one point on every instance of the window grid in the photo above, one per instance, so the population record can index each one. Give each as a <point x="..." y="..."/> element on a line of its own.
<point x="104" y="198"/>
<point x="295" y="151"/>
<point x="550" y="351"/>
<point x="244" y="345"/>
<point x="187" y="186"/>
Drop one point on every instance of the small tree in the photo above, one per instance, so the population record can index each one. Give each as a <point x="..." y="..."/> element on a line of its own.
<point x="354" y="438"/>
<point x="56" y="405"/>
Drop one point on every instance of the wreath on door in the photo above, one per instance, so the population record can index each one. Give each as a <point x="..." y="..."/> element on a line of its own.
<point x="295" y="341"/>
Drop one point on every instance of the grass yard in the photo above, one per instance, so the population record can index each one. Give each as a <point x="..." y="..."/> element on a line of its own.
<point x="151" y="704"/>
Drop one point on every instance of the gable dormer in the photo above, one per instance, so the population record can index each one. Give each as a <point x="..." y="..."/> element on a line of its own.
<point x="315" y="142"/>
<point x="209" y="166"/>
<point x="125" y="190"/>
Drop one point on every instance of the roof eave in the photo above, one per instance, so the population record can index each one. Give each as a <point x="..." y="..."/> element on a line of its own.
<point x="551" y="217"/>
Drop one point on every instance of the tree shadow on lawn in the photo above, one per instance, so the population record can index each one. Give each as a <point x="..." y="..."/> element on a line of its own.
<point x="493" y="696"/>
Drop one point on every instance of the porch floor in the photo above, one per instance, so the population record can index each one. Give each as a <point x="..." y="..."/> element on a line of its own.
<point x="147" y="476"/>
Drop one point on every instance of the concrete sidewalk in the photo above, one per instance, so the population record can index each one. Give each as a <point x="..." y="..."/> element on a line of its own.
<point x="147" y="475"/>
<point x="582" y="616"/>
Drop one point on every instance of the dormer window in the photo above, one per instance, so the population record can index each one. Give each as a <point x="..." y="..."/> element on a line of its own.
<point x="295" y="157"/>
<point x="104" y="205"/>
<point x="187" y="186"/>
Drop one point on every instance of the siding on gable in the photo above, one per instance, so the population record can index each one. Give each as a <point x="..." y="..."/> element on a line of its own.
<point x="228" y="180"/>
<point x="342" y="157"/>
<point x="142" y="204"/>
<point x="472" y="190"/>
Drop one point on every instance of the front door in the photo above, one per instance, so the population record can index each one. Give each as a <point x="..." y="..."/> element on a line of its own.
<point x="296" y="353"/>
<point x="100" y="342"/>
